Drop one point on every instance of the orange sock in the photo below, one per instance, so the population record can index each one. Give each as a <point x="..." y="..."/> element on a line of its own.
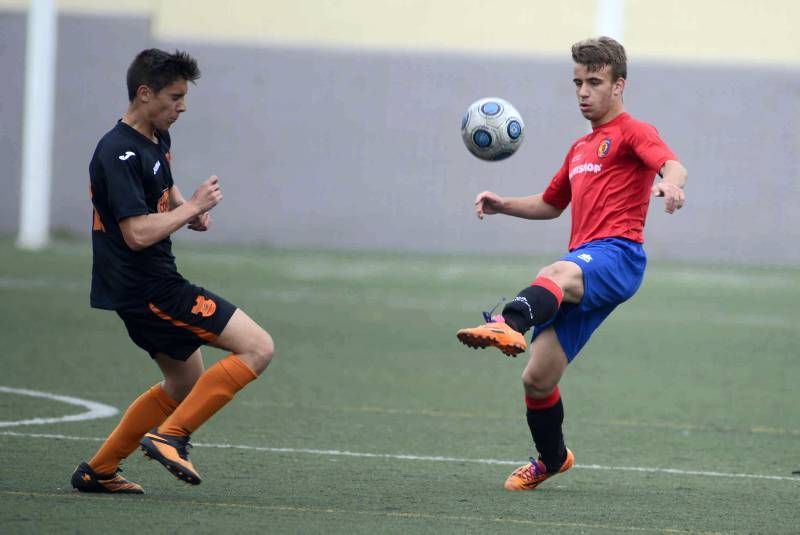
<point x="147" y="411"/>
<point x="215" y="388"/>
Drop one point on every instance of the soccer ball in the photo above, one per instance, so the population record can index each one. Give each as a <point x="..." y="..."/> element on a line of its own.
<point x="492" y="129"/>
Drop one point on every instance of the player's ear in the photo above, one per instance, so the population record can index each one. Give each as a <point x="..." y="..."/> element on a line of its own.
<point x="619" y="86"/>
<point x="144" y="93"/>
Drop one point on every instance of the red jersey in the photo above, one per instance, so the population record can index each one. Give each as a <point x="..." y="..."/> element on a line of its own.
<point x="607" y="175"/>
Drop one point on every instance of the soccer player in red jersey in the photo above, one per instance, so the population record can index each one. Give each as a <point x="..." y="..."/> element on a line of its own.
<point x="137" y="207"/>
<point x="608" y="176"/>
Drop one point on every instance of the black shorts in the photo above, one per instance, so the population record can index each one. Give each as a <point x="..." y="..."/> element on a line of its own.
<point x="179" y="322"/>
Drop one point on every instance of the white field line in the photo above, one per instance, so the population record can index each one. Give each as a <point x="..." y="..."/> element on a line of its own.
<point x="429" y="458"/>
<point x="397" y="299"/>
<point x="683" y="427"/>
<point x="96" y="410"/>
<point x="99" y="410"/>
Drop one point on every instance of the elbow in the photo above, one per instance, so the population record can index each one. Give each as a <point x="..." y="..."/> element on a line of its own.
<point x="550" y="211"/>
<point x="555" y="212"/>
<point x="135" y="232"/>
<point x="134" y="244"/>
<point x="134" y="240"/>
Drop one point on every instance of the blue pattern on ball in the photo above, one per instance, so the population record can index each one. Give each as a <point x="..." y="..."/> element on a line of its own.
<point x="491" y="108"/>
<point x="514" y="129"/>
<point x="482" y="138"/>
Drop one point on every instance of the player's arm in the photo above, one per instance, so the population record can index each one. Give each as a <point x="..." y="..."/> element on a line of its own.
<point x="531" y="207"/>
<point x="175" y="197"/>
<point x="199" y="223"/>
<point x="673" y="179"/>
<point x="142" y="231"/>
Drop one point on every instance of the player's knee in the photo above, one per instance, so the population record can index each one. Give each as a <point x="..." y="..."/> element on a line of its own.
<point x="553" y="271"/>
<point x="568" y="276"/>
<point x="537" y="385"/>
<point x="262" y="352"/>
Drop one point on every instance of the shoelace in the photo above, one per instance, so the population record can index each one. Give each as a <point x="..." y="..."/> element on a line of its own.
<point x="487" y="316"/>
<point x="110" y="477"/>
<point x="183" y="446"/>
<point x="536" y="468"/>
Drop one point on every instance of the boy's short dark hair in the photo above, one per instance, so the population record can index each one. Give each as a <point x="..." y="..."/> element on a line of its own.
<point x="599" y="51"/>
<point x="157" y="69"/>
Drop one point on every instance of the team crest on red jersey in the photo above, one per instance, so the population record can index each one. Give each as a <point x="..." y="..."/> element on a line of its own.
<point x="604" y="148"/>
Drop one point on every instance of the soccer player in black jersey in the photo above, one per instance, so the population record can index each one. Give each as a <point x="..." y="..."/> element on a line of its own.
<point x="137" y="206"/>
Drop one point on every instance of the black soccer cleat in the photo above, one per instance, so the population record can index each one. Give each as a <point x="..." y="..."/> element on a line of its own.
<point x="84" y="479"/>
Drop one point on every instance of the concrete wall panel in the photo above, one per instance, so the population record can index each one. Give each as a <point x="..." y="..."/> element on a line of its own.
<point x="338" y="148"/>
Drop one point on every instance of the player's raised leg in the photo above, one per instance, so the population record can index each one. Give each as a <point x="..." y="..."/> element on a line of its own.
<point x="535" y="305"/>
<point x="251" y="350"/>
<point x="545" y="413"/>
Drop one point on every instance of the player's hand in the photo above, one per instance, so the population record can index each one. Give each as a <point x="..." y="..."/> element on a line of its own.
<point x="674" y="197"/>
<point x="208" y="195"/>
<point x="488" y="203"/>
<point x="201" y="222"/>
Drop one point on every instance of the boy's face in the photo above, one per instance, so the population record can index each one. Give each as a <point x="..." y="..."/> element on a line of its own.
<point x="597" y="93"/>
<point x="164" y="108"/>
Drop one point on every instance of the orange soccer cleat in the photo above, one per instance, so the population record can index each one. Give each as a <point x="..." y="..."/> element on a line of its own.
<point x="532" y="474"/>
<point x="496" y="333"/>
<point x="171" y="452"/>
<point x="84" y="479"/>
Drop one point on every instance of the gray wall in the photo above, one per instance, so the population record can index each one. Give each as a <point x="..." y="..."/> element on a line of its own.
<point x="323" y="148"/>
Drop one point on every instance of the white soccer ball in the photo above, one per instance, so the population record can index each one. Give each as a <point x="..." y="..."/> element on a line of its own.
<point x="492" y="129"/>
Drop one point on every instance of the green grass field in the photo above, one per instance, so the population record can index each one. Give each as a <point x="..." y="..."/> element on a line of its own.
<point x="682" y="411"/>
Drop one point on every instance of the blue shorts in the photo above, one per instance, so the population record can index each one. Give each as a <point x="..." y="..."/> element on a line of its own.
<point x="613" y="269"/>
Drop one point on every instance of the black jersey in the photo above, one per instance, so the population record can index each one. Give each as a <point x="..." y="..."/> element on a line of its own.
<point x="130" y="176"/>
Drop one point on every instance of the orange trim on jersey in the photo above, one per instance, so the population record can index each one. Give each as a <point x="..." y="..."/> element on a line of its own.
<point x="97" y="223"/>
<point x="208" y="336"/>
